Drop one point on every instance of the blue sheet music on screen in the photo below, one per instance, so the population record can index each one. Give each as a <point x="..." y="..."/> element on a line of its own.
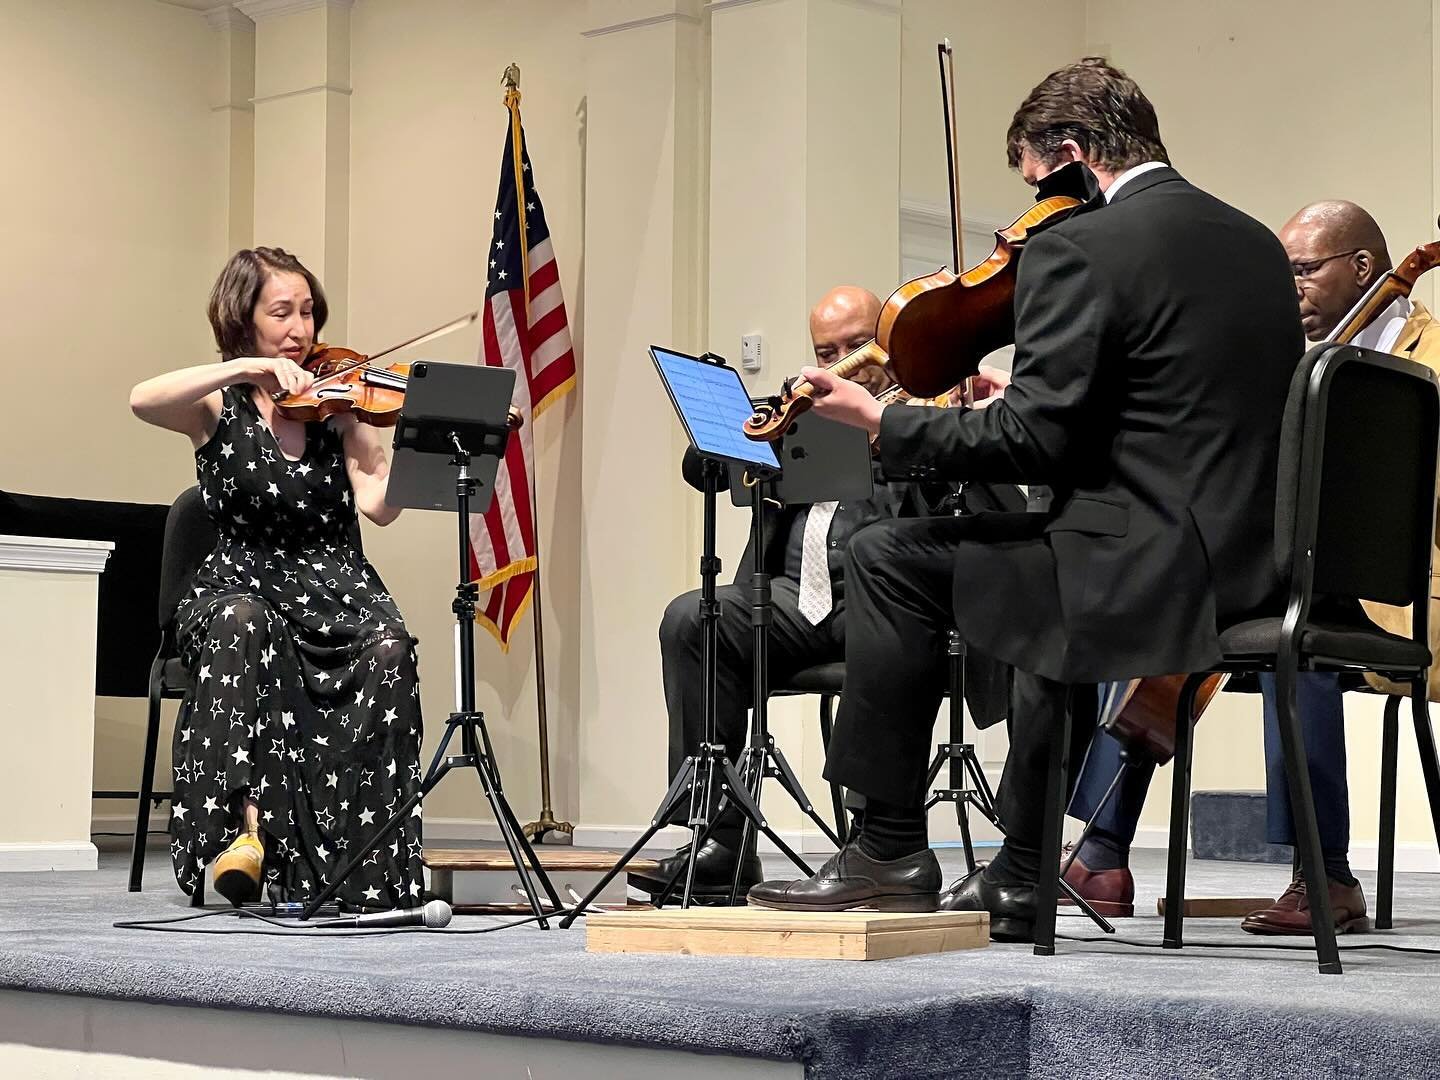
<point x="714" y="406"/>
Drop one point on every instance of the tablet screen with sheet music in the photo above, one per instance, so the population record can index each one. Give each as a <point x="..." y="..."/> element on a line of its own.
<point x="713" y="405"/>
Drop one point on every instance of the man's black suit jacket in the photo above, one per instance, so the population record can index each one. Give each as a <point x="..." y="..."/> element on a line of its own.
<point x="1155" y="340"/>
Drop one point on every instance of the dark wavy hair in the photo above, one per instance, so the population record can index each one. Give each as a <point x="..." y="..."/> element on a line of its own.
<point x="237" y="290"/>
<point x="1098" y="106"/>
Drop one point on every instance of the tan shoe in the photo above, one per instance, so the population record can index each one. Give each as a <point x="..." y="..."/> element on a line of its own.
<point x="1291" y="913"/>
<point x="237" y="870"/>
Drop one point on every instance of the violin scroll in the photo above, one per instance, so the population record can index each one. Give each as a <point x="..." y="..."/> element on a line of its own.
<point x="774" y="416"/>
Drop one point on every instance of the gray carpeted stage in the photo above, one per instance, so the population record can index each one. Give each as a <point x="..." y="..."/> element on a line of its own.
<point x="1094" y="1010"/>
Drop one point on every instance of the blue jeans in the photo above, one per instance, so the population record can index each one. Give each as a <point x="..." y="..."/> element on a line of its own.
<point x="1322" y="723"/>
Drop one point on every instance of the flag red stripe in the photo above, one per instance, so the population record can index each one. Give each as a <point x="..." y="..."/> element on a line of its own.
<point x="542" y="277"/>
<point x="514" y="454"/>
<point x="552" y="322"/>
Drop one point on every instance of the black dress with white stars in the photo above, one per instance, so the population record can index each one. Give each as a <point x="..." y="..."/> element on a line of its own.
<point x="305" y="691"/>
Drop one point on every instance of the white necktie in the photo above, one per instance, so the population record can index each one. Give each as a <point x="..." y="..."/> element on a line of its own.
<point x="815" y="598"/>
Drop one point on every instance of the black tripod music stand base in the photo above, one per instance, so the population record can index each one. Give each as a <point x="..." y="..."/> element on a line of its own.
<point x="699" y="775"/>
<point x="475" y="754"/>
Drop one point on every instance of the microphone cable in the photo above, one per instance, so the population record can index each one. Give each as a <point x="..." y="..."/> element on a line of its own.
<point x="176" y="925"/>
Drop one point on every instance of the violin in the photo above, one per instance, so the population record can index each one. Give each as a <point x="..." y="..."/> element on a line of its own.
<point x="349" y="382"/>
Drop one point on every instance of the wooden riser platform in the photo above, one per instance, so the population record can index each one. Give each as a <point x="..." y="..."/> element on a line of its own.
<point x="754" y="931"/>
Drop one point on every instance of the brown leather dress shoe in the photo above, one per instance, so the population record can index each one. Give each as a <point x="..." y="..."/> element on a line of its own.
<point x="851" y="879"/>
<point x="1109" y="892"/>
<point x="1291" y="913"/>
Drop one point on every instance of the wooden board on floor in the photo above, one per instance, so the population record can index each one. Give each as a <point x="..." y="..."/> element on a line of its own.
<point x="800" y="935"/>
<point x="1219" y="907"/>
<point x="497" y="858"/>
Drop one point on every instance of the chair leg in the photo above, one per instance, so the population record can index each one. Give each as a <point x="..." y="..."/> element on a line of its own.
<point x="147" y="779"/>
<point x="1180" y="814"/>
<point x="1425" y="740"/>
<point x="1389" y="755"/>
<point x="1047" y="889"/>
<point x="837" y="796"/>
<point x="1302" y="811"/>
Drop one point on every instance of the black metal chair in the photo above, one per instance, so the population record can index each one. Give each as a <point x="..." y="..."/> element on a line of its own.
<point x="1354" y="519"/>
<point x="189" y="537"/>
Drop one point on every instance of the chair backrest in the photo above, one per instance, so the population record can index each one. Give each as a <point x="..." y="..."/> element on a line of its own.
<point x="189" y="536"/>
<point x="128" y="584"/>
<point x="1355" y="493"/>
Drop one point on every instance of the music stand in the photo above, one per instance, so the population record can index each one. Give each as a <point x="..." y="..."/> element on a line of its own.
<point x="454" y="413"/>
<point x="823" y="460"/>
<point x="712" y="405"/>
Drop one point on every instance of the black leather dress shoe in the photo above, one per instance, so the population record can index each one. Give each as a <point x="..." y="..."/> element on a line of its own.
<point x="851" y="879"/>
<point x="1011" y="907"/>
<point x="714" y="870"/>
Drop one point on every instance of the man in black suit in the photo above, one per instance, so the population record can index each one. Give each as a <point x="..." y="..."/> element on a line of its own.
<point x="1156" y="333"/>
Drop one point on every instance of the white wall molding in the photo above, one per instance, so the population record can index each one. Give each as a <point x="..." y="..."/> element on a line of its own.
<point x="925" y="236"/>
<point x="318" y="88"/>
<point x="230" y="18"/>
<point x="54" y="553"/>
<point x="274" y="9"/>
<point x="636" y="24"/>
<point x="38" y="858"/>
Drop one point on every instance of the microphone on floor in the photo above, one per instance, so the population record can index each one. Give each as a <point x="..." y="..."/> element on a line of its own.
<point x="432" y="916"/>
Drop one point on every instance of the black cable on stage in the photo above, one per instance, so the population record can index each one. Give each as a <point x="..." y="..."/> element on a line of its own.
<point x="287" y="929"/>
<point x="1377" y="945"/>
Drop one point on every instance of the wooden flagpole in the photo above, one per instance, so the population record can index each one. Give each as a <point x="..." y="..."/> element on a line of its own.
<point x="560" y="832"/>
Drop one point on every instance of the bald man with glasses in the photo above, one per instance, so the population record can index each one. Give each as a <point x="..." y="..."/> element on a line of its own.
<point x="1337" y="252"/>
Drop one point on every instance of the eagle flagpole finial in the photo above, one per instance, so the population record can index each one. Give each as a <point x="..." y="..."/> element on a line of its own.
<point x="511" y="79"/>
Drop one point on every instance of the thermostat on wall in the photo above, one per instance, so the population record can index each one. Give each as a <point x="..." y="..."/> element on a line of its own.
<point x="752" y="352"/>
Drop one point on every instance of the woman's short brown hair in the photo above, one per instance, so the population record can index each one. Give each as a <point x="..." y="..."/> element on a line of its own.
<point x="1098" y="106"/>
<point x="237" y="291"/>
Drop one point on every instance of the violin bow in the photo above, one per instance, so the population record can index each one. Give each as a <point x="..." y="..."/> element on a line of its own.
<point x="429" y="335"/>
<point x="946" y="55"/>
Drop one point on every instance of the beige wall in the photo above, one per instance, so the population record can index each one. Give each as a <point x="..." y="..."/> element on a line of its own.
<point x="123" y="192"/>
<point x="998" y="58"/>
<point x="113" y="218"/>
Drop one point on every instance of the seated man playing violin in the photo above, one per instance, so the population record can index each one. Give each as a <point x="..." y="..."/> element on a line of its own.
<point x="1337" y="252"/>
<point x="806" y="556"/>
<point x="1156" y="334"/>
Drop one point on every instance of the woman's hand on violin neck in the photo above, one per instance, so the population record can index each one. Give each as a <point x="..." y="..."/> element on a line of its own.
<point x="845" y="401"/>
<point x="274" y="374"/>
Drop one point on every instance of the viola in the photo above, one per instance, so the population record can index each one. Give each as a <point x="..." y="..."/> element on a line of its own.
<point x="934" y="330"/>
<point x="349" y="382"/>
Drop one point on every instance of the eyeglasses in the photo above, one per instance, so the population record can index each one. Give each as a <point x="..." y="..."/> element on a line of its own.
<point x="1302" y="270"/>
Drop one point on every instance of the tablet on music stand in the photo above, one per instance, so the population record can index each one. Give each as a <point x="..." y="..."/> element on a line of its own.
<point x="468" y="400"/>
<point x="821" y="460"/>
<point x="713" y="406"/>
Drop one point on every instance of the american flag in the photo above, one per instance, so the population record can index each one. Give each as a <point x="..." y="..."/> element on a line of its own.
<point x="523" y="277"/>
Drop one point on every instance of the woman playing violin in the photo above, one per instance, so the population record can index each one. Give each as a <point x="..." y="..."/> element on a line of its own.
<point x="302" y="728"/>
